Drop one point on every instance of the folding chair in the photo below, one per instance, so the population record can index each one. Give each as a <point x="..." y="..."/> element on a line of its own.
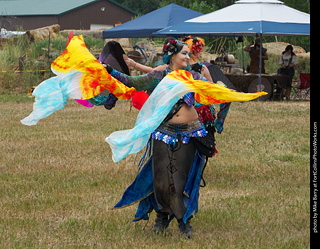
<point x="302" y="91"/>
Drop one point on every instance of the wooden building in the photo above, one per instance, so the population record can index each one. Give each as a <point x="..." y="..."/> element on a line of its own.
<point x="69" y="14"/>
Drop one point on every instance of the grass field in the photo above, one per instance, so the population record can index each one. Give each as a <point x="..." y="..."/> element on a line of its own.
<point x="58" y="183"/>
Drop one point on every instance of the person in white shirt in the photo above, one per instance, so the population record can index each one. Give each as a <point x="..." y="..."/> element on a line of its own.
<point x="288" y="60"/>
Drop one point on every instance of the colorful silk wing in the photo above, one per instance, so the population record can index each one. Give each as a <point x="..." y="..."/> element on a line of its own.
<point x="207" y="93"/>
<point x="155" y="109"/>
<point x="94" y="79"/>
<point x="49" y="99"/>
<point x="79" y="76"/>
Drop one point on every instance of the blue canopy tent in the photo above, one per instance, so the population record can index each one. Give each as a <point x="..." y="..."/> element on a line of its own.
<point x="246" y="17"/>
<point x="147" y="25"/>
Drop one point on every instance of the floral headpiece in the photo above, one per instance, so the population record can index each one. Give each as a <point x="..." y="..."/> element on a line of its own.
<point x="195" y="44"/>
<point x="172" y="47"/>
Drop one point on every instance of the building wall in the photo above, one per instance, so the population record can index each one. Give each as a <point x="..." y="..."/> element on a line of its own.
<point x="34" y="22"/>
<point x="102" y="13"/>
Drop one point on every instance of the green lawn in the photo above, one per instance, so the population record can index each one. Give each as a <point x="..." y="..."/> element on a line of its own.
<point x="58" y="183"/>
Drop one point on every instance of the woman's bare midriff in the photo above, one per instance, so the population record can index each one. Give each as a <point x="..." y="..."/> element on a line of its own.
<point x="185" y="115"/>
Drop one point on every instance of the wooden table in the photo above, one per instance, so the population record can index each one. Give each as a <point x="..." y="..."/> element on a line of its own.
<point x="229" y="67"/>
<point x="249" y="83"/>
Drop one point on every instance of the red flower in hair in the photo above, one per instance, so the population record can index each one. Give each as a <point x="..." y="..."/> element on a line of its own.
<point x="197" y="45"/>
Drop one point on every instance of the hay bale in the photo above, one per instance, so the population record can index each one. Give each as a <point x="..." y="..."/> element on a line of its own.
<point x="278" y="47"/>
<point x="43" y="33"/>
<point x="305" y="55"/>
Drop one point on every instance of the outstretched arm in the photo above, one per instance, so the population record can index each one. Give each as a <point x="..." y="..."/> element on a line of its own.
<point x="205" y="72"/>
<point x="143" y="68"/>
<point x="142" y="82"/>
<point x="133" y="64"/>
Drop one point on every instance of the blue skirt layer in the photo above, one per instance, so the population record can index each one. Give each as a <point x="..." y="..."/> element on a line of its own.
<point x="142" y="190"/>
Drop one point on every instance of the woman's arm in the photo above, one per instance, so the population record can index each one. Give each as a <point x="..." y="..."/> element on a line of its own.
<point x="205" y="72"/>
<point x="160" y="67"/>
<point x="142" y="82"/>
<point x="198" y="76"/>
<point x="294" y="61"/>
<point x="281" y="62"/>
<point x="265" y="56"/>
<point x="145" y="69"/>
<point x="133" y="64"/>
<point x="247" y="48"/>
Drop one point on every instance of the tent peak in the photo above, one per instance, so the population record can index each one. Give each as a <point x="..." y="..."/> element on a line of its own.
<point x="259" y="1"/>
<point x="148" y="24"/>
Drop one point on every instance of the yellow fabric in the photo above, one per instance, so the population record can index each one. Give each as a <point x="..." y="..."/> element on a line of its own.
<point x="210" y="93"/>
<point x="95" y="78"/>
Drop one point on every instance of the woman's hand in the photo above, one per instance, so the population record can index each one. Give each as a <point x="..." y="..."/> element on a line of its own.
<point x="109" y="69"/>
<point x="130" y="62"/>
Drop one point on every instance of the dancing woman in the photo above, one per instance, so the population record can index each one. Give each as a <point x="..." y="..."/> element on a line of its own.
<point x="169" y="181"/>
<point x="175" y="145"/>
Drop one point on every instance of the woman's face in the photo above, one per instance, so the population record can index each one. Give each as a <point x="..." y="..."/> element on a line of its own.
<point x="197" y="49"/>
<point x="181" y="59"/>
<point x="197" y="54"/>
<point x="288" y="51"/>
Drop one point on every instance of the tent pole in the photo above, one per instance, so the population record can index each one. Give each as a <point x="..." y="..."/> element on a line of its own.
<point x="260" y="64"/>
<point x="242" y="58"/>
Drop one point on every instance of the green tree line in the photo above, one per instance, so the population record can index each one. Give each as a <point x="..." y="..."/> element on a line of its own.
<point x="203" y="6"/>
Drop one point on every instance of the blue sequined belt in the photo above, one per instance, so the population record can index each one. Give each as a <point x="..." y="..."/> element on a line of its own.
<point x="168" y="132"/>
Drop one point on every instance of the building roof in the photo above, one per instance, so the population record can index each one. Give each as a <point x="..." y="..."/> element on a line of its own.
<point x="46" y="7"/>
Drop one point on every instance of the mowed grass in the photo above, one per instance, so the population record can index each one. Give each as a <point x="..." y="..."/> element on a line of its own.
<point x="58" y="182"/>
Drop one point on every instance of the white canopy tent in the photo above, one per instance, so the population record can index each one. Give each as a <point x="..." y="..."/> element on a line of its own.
<point x="246" y="17"/>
